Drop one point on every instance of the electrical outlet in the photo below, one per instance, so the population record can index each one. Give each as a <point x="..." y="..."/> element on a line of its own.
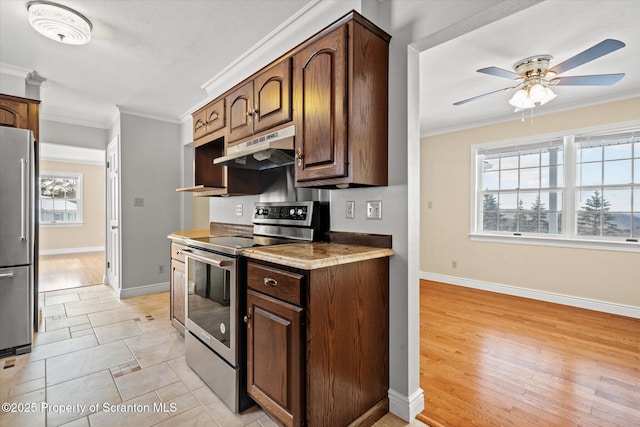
<point x="454" y="264"/>
<point x="351" y="209"/>
<point x="138" y="202"/>
<point x="374" y="209"/>
<point x="238" y="210"/>
<point x="161" y="269"/>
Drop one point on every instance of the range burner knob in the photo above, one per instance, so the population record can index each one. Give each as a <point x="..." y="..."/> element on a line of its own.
<point x="292" y="212"/>
<point x="300" y="211"/>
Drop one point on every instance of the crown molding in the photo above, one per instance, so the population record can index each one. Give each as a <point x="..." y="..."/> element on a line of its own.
<point x="312" y="18"/>
<point x="537" y="113"/>
<point x="130" y="112"/>
<point x="12" y="70"/>
<point x="73" y="121"/>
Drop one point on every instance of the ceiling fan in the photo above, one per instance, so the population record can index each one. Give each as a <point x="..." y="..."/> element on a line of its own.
<point x="533" y="76"/>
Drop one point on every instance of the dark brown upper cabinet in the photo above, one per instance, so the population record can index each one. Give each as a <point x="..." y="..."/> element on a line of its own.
<point x="261" y="103"/>
<point x="341" y="106"/>
<point x="21" y="113"/>
<point x="209" y="119"/>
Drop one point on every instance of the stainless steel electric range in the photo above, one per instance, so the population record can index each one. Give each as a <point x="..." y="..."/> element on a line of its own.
<point x="215" y="336"/>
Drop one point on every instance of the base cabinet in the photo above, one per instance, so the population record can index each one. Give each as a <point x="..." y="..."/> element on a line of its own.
<point x="323" y="362"/>
<point x="177" y="288"/>
<point x="274" y="366"/>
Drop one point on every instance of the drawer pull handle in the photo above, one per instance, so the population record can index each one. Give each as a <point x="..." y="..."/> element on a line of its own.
<point x="268" y="281"/>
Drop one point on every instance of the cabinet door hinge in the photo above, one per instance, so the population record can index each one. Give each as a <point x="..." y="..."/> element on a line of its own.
<point x="107" y="165"/>
<point x="108" y="264"/>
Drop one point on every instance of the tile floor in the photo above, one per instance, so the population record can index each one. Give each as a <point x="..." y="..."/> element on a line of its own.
<point x="101" y="361"/>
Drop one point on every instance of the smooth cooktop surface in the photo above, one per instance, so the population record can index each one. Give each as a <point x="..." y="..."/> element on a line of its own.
<point x="234" y="244"/>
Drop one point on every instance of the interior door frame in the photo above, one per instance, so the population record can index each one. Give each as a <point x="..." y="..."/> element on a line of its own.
<point x="111" y="264"/>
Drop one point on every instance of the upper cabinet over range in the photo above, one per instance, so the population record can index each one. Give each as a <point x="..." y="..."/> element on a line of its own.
<point x="333" y="87"/>
<point x="261" y="103"/>
<point x="341" y="106"/>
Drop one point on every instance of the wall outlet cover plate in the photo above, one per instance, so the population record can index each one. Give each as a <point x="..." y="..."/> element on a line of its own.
<point x="374" y="209"/>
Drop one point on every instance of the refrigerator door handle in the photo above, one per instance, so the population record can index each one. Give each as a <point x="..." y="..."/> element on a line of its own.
<point x="9" y="274"/>
<point x="23" y="200"/>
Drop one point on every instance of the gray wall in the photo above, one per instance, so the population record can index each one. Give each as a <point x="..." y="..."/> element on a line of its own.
<point x="148" y="153"/>
<point x="75" y="135"/>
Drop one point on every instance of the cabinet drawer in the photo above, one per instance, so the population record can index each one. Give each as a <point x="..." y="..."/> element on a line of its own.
<point x="280" y="284"/>
<point x="175" y="251"/>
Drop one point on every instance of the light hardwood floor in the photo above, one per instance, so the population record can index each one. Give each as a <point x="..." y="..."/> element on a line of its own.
<point x="489" y="359"/>
<point x="67" y="271"/>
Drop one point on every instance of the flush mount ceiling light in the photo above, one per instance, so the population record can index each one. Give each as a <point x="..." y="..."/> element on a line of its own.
<point x="59" y="22"/>
<point x="532" y="76"/>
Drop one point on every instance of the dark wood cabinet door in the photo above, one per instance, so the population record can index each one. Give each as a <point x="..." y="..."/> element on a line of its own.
<point x="209" y="119"/>
<point x="215" y="116"/>
<point x="240" y="112"/>
<point x="21" y="113"/>
<point x="272" y="96"/>
<point x="178" y="293"/>
<point x="320" y="72"/>
<point x="274" y="357"/>
<point x="13" y="114"/>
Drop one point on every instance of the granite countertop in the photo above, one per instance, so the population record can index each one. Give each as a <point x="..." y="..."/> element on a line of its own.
<point x="182" y="235"/>
<point x="305" y="256"/>
<point x="310" y="256"/>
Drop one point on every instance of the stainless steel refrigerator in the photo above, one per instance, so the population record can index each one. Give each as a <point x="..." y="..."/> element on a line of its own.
<point x="17" y="190"/>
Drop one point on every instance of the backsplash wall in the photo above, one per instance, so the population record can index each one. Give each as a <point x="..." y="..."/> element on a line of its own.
<point x="277" y="185"/>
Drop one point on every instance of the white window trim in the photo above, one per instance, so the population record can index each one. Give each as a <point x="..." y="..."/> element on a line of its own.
<point x="567" y="238"/>
<point x="80" y="198"/>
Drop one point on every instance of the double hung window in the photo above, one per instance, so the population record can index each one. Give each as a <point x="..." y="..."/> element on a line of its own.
<point x="608" y="186"/>
<point x="60" y="198"/>
<point x="582" y="188"/>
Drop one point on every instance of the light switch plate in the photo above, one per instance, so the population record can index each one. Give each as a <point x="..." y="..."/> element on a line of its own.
<point x="239" y="210"/>
<point x="351" y="209"/>
<point x="374" y="209"/>
<point x="138" y="202"/>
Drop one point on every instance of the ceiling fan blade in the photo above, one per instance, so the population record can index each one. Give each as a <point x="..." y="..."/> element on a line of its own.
<point x="499" y="72"/>
<point x="594" y="52"/>
<point x="594" y="80"/>
<point x="483" y="95"/>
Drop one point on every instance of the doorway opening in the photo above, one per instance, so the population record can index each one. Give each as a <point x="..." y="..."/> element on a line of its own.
<point x="71" y="194"/>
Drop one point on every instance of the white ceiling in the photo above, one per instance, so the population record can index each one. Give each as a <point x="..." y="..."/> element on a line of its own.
<point x="153" y="56"/>
<point x="561" y="28"/>
<point x="150" y="57"/>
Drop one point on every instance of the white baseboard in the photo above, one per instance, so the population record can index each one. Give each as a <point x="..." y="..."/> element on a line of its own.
<point x="144" y="290"/>
<point x="590" y="304"/>
<point x="406" y="407"/>
<point x="70" y="250"/>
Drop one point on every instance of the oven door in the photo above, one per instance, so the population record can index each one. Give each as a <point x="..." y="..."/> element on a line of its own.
<point x="211" y="301"/>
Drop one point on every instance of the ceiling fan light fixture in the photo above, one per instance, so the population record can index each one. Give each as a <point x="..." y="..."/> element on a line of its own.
<point x="521" y="100"/>
<point x="59" y="23"/>
<point x="536" y="92"/>
<point x="548" y="96"/>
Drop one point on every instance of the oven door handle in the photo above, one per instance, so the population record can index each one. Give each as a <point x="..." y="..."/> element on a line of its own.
<point x="218" y="263"/>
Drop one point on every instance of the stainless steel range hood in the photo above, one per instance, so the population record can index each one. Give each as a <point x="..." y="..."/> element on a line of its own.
<point x="270" y="150"/>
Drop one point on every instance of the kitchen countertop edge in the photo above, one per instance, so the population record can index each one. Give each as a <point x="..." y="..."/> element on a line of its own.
<point x="305" y="256"/>
<point x="319" y="254"/>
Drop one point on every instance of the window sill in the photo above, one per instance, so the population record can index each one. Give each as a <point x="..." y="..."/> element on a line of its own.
<point x="599" y="245"/>
<point x="61" y="224"/>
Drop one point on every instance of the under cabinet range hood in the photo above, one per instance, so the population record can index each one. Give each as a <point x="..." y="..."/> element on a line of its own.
<point x="270" y="150"/>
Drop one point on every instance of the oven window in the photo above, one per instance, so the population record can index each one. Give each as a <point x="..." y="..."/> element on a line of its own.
<point x="209" y="299"/>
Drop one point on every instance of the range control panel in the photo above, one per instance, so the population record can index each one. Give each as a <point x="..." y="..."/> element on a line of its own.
<point x="284" y="212"/>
